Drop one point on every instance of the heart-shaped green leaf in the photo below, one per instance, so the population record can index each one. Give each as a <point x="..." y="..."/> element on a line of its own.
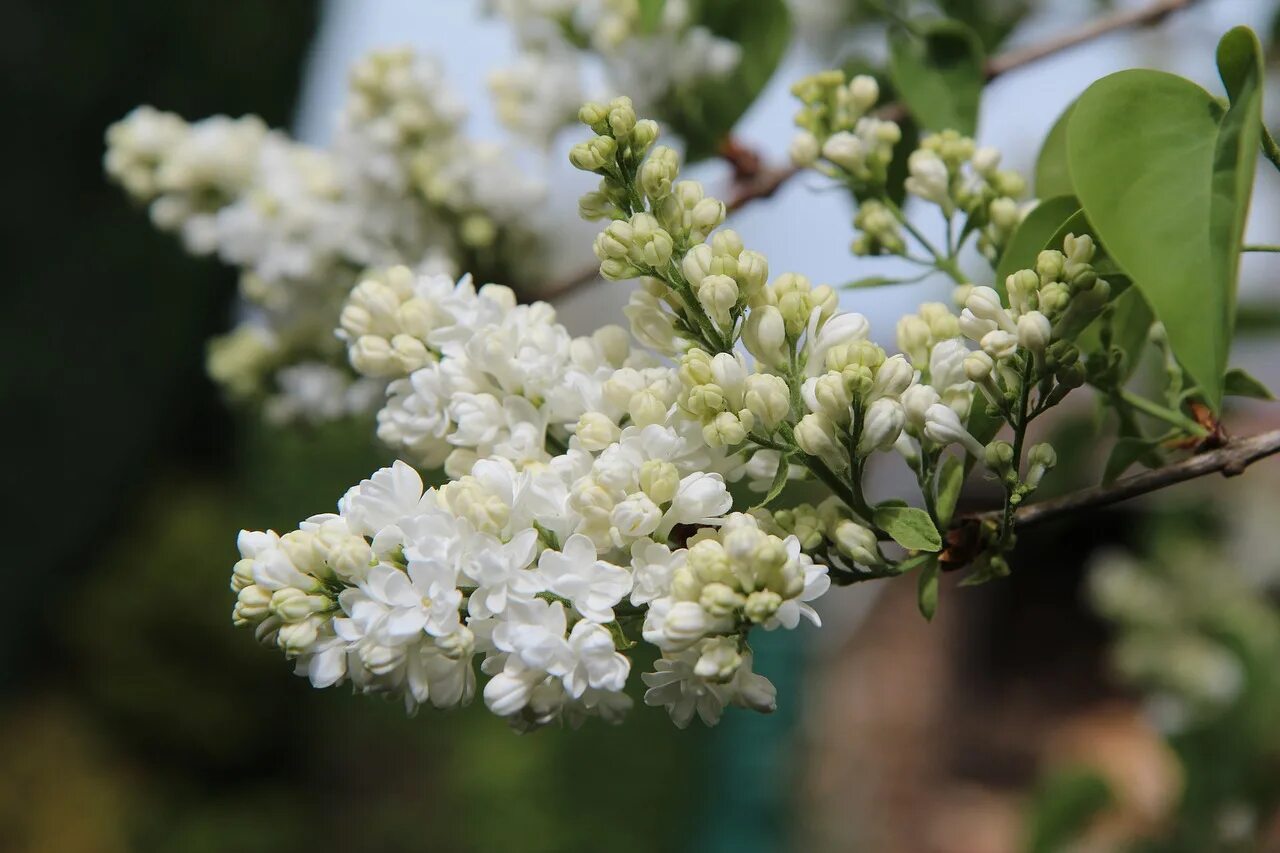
<point x="1165" y="176"/>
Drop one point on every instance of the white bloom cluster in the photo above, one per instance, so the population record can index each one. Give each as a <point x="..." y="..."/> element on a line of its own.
<point x="400" y="186"/>
<point x="541" y="92"/>
<point x="401" y="589"/>
<point x="480" y="375"/>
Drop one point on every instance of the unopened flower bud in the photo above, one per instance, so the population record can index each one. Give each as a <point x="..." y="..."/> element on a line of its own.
<point x="1004" y="213"/>
<point x="999" y="344"/>
<point x="636" y="515"/>
<point x="815" y="434"/>
<point x="761" y="605"/>
<point x="725" y="430"/>
<point x="804" y="149"/>
<point x="697" y="263"/>
<point x="998" y="456"/>
<point x="686" y="622"/>
<point x="984" y="303"/>
<point x="1079" y="249"/>
<point x="622" y="118"/>
<point x="1040" y="459"/>
<point x="719" y="660"/>
<point x="916" y="401"/>
<point x="765" y="336"/>
<point x="720" y="600"/>
<point x="658" y="172"/>
<point x="768" y="398"/>
<point x="594" y="154"/>
<point x="892" y="378"/>
<point x="914" y="337"/>
<point x="718" y="295"/>
<point x="595" y="431"/>
<point x="1054" y="298"/>
<point x="706" y="217"/>
<point x="753" y="272"/>
<point x="1050" y="264"/>
<point x="659" y="480"/>
<point x="986" y="160"/>
<point x="865" y="91"/>
<point x="978" y="366"/>
<point x="942" y="426"/>
<point x="644" y="134"/>
<point x="845" y="150"/>
<point x="1034" y="331"/>
<point x="858" y="543"/>
<point x="594" y="116"/>
<point x="881" y="425"/>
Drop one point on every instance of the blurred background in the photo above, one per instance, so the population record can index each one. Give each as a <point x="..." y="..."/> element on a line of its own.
<point x="1120" y="691"/>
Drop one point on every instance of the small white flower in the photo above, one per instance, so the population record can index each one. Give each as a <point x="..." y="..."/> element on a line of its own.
<point x="593" y="586"/>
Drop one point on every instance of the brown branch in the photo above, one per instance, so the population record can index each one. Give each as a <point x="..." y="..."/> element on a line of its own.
<point x="764" y="181"/>
<point x="1230" y="459"/>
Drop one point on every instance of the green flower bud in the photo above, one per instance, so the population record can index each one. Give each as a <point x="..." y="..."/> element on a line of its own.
<point x="594" y="154"/>
<point x="658" y="172"/>
<point x="594" y="116"/>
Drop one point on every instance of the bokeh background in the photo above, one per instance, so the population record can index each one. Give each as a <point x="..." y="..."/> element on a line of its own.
<point x="1034" y="711"/>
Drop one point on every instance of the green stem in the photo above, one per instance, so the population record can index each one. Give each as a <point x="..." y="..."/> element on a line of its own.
<point x="1269" y="148"/>
<point x="942" y="262"/>
<point x="1262" y="247"/>
<point x="1155" y="410"/>
<point x="1019" y="438"/>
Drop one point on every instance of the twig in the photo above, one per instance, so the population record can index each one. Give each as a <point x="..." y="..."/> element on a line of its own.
<point x="1231" y="459"/>
<point x="1144" y="16"/>
<point x="766" y="180"/>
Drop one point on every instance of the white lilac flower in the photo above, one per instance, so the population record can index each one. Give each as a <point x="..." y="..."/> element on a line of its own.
<point x="591" y="585"/>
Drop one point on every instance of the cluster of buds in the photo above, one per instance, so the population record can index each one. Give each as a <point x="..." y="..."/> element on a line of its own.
<point x="949" y="170"/>
<point x="698" y="285"/>
<point x="837" y="135"/>
<point x="286" y="586"/>
<point x="725" y="277"/>
<point x="830" y="526"/>
<point x="1062" y="291"/>
<point x="879" y="231"/>
<point x="391" y="319"/>
<point x="785" y="311"/>
<point x="400" y="96"/>
<point x="855" y="404"/>
<point x="732" y="578"/>
<point x="727" y="400"/>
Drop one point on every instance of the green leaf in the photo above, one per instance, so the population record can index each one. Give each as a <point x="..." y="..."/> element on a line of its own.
<point x="1235" y="157"/>
<point x="705" y="113"/>
<point x="1034" y="234"/>
<point x="1164" y="177"/>
<point x="1125" y="453"/>
<point x="883" y="281"/>
<point x="908" y="526"/>
<point x="1239" y="383"/>
<point x="779" y="481"/>
<point x="938" y="69"/>
<point x="927" y="589"/>
<point x="1053" y="171"/>
<point x="950" y="481"/>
